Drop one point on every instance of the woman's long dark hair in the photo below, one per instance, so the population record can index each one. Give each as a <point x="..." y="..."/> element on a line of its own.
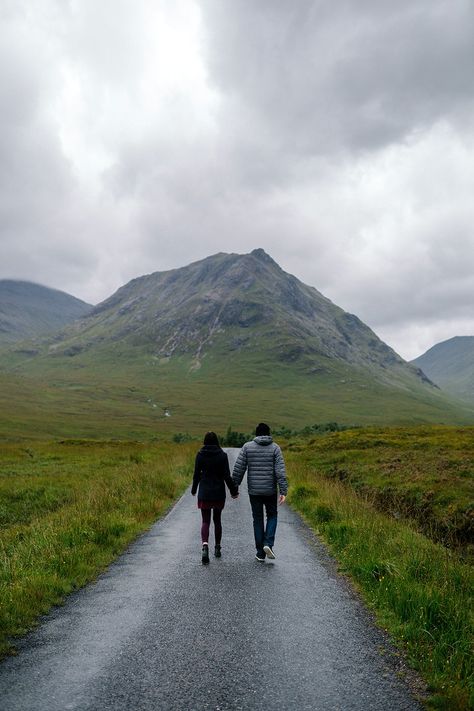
<point x="211" y="438"/>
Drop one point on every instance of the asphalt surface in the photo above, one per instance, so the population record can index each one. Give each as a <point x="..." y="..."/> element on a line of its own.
<point x="160" y="631"/>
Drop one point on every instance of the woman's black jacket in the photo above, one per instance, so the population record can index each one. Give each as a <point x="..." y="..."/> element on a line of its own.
<point x="211" y="470"/>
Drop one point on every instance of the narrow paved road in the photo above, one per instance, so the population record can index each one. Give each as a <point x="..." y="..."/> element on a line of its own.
<point x="159" y="631"/>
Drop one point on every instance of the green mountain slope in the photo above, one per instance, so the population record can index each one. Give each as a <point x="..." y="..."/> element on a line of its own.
<point x="451" y="365"/>
<point x="28" y="310"/>
<point x="230" y="339"/>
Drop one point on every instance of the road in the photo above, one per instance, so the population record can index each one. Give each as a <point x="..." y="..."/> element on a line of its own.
<point x="160" y="631"/>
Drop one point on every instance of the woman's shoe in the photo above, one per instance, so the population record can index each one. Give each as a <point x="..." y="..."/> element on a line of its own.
<point x="217" y="551"/>
<point x="205" y="554"/>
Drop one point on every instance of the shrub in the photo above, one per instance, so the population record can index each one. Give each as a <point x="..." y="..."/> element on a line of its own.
<point x="323" y="513"/>
<point x="181" y="437"/>
<point x="235" y="439"/>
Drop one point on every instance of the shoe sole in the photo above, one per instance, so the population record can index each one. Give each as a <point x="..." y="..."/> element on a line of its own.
<point x="269" y="552"/>
<point x="260" y="560"/>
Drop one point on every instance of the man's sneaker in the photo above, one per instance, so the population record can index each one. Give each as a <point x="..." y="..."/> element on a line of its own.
<point x="217" y="551"/>
<point x="268" y="552"/>
<point x="205" y="554"/>
<point x="260" y="556"/>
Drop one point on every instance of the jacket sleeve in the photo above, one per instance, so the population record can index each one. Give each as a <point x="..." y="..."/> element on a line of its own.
<point x="280" y="471"/>
<point x="240" y="466"/>
<point x="197" y="474"/>
<point x="233" y="488"/>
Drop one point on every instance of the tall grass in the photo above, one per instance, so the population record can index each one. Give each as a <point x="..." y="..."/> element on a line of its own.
<point x="67" y="510"/>
<point x="420" y="592"/>
<point x="425" y="474"/>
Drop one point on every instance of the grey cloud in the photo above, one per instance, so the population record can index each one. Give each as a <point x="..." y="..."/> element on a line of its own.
<point x="347" y="75"/>
<point x="321" y="145"/>
<point x="41" y="210"/>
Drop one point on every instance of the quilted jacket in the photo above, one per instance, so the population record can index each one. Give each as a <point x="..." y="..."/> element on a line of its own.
<point x="263" y="461"/>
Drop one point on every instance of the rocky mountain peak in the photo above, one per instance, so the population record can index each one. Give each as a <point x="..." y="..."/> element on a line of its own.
<point x="236" y="301"/>
<point x="259" y="253"/>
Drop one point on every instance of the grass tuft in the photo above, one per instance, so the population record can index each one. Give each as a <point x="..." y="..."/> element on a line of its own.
<point x="67" y="511"/>
<point x="420" y="590"/>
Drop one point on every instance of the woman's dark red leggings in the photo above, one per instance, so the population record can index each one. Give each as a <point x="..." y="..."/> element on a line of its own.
<point x="206" y="522"/>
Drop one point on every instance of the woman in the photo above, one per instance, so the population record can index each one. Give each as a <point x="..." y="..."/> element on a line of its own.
<point x="211" y="470"/>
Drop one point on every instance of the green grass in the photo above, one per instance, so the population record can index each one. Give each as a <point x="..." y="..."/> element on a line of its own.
<point x="123" y="391"/>
<point x="420" y="591"/>
<point x="68" y="509"/>
<point x="425" y="474"/>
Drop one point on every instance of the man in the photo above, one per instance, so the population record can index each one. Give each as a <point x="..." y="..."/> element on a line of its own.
<point x="267" y="485"/>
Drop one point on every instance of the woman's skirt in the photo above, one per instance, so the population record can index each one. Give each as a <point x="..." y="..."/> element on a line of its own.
<point x="211" y="504"/>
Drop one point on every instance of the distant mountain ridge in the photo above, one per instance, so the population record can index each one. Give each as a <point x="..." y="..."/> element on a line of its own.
<point x="450" y="364"/>
<point x="235" y="302"/>
<point x="230" y="339"/>
<point x="28" y="310"/>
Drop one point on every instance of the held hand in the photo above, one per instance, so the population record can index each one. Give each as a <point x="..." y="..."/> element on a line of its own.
<point x="281" y="499"/>
<point x="235" y="496"/>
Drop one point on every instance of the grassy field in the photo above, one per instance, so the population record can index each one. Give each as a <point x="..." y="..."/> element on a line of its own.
<point x="425" y="474"/>
<point x="68" y="509"/>
<point x="393" y="504"/>
<point x="381" y="499"/>
<point x="123" y="392"/>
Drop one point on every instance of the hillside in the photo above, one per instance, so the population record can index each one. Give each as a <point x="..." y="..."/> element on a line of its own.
<point x="29" y="310"/>
<point x="226" y="340"/>
<point x="450" y="364"/>
<point x="234" y="303"/>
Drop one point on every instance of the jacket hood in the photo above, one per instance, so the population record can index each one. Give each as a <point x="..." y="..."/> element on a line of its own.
<point x="263" y="440"/>
<point x="210" y="450"/>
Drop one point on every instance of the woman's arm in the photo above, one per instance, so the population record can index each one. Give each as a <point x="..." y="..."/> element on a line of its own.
<point x="233" y="488"/>
<point x="197" y="474"/>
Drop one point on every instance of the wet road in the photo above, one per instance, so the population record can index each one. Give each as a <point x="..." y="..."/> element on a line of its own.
<point x="159" y="631"/>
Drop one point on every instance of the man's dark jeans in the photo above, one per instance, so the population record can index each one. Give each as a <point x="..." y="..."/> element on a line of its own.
<point x="264" y="535"/>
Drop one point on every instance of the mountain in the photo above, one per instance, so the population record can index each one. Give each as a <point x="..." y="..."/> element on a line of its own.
<point x="231" y="339"/>
<point x="28" y="310"/>
<point x="451" y="365"/>
<point x="235" y="303"/>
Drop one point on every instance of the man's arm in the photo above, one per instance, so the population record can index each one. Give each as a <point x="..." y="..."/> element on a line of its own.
<point x="280" y="473"/>
<point x="240" y="466"/>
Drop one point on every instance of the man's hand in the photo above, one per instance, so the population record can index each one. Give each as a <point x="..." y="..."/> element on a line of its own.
<point x="235" y="496"/>
<point x="281" y="498"/>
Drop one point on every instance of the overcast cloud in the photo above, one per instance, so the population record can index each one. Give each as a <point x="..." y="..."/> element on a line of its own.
<point x="141" y="135"/>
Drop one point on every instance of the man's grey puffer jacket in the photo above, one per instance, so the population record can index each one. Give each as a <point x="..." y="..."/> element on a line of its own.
<point x="263" y="459"/>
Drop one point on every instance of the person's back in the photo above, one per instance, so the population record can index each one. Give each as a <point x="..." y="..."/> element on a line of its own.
<point x="266" y="476"/>
<point x="211" y="474"/>
<point x="263" y="460"/>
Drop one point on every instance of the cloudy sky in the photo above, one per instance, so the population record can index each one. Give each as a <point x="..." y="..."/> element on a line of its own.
<point x="141" y="135"/>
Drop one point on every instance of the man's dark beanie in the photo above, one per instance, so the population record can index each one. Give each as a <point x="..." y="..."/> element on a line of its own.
<point x="262" y="429"/>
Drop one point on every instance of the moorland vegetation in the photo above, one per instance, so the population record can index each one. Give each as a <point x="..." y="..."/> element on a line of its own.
<point x="395" y="506"/>
<point x="67" y="509"/>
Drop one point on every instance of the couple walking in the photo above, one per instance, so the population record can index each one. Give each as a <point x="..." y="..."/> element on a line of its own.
<point x="263" y="461"/>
